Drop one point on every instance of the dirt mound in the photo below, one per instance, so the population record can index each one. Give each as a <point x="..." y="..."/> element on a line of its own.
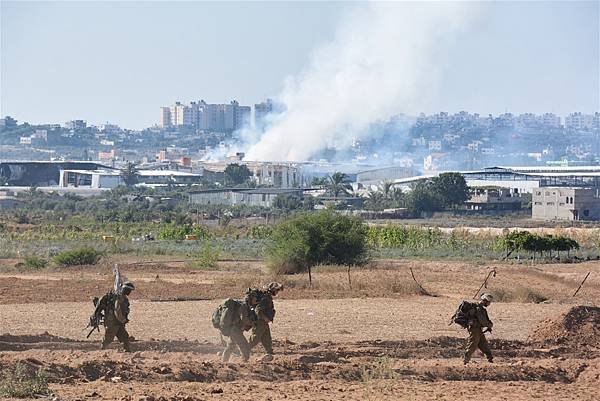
<point x="578" y="327"/>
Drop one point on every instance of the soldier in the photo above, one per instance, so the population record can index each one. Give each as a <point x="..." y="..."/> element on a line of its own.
<point x="265" y="313"/>
<point x="478" y="319"/>
<point x="234" y="318"/>
<point x="116" y="317"/>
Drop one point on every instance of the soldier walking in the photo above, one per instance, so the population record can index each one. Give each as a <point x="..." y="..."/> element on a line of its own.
<point x="232" y="318"/>
<point x="478" y="319"/>
<point x="265" y="313"/>
<point x="116" y="316"/>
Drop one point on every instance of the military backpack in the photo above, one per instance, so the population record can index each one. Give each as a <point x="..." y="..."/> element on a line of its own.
<point x="226" y="314"/>
<point x="461" y="316"/>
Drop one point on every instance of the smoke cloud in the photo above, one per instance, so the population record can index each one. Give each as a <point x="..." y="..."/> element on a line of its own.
<point x="385" y="59"/>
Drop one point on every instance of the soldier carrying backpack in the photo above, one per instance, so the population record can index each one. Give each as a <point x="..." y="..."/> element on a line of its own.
<point x="474" y="317"/>
<point x="232" y="317"/>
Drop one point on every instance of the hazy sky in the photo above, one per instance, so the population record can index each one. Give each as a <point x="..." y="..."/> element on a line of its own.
<point x="120" y="61"/>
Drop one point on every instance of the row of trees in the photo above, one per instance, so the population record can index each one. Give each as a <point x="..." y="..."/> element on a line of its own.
<point x="526" y="241"/>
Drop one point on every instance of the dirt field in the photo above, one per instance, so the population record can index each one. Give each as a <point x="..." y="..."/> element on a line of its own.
<point x="376" y="337"/>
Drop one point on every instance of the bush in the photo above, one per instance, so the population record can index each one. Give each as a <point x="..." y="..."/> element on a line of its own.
<point x="310" y="239"/>
<point x="178" y="232"/>
<point x="35" y="262"/>
<point x="23" y="383"/>
<point x="81" y="256"/>
<point x="207" y="258"/>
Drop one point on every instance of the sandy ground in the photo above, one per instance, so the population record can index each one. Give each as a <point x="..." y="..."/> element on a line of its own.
<point x="374" y="341"/>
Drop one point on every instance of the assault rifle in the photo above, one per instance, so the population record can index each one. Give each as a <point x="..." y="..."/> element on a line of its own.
<point x="97" y="317"/>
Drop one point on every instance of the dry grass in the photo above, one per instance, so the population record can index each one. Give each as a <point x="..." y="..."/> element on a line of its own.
<point x="332" y="282"/>
<point x="519" y="294"/>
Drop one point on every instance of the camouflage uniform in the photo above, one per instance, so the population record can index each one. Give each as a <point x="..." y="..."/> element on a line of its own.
<point x="478" y="319"/>
<point x="114" y="323"/>
<point x="265" y="312"/>
<point x="242" y="321"/>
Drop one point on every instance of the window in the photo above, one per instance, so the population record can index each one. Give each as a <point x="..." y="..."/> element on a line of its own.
<point x="567" y="199"/>
<point x="550" y="203"/>
<point x="538" y="203"/>
<point x="571" y="200"/>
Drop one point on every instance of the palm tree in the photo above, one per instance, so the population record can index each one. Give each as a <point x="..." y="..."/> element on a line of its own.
<point x="338" y="184"/>
<point x="130" y="174"/>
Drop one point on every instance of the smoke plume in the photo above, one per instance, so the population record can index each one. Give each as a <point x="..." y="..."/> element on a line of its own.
<point x="385" y="59"/>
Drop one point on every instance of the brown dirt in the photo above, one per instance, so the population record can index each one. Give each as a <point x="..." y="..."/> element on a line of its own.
<point x="374" y="341"/>
<point x="578" y="327"/>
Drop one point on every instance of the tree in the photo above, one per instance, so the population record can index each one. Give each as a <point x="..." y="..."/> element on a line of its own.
<point x="338" y="184"/>
<point x="375" y="201"/>
<point x="130" y="174"/>
<point x="323" y="237"/>
<point x="319" y="181"/>
<point x="237" y="174"/>
<point x="287" y="202"/>
<point x="423" y="198"/>
<point x="451" y="188"/>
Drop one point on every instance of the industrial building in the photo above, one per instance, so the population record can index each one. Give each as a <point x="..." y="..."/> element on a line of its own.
<point x="523" y="179"/>
<point x="263" y="197"/>
<point x="40" y="173"/>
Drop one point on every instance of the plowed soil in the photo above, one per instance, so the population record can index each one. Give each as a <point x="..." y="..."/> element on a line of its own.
<point x="373" y="339"/>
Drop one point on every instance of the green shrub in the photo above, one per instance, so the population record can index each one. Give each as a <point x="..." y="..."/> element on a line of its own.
<point x="178" y="232"/>
<point x="21" y="382"/>
<point x="35" y="262"/>
<point x="309" y="239"/>
<point x="260" y="231"/>
<point x="208" y="258"/>
<point x="76" y="257"/>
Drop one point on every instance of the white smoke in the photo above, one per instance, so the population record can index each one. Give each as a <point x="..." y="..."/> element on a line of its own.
<point x="385" y="59"/>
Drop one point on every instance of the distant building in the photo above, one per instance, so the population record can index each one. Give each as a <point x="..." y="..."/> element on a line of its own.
<point x="494" y="199"/>
<point x="204" y="116"/>
<point x="8" y="123"/>
<point x="579" y="121"/>
<point x="562" y="203"/>
<point x="76" y="124"/>
<point x="261" y="111"/>
<point x="263" y="197"/>
<point x="165" y="117"/>
<point x="90" y="178"/>
<point x="108" y="156"/>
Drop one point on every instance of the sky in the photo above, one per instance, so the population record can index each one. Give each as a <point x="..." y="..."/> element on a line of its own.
<point x="119" y="62"/>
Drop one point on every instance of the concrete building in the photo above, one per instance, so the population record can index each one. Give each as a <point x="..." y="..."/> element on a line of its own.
<point x="90" y="178"/>
<point x="167" y="177"/>
<point x="262" y="197"/>
<point x="579" y="121"/>
<point x="494" y="199"/>
<point x="560" y="203"/>
<point x="261" y="111"/>
<point x="165" y="117"/>
<point x="76" y="124"/>
<point x="204" y="116"/>
<point x="8" y="123"/>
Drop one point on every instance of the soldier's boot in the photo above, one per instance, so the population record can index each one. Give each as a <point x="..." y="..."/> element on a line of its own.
<point x="126" y="346"/>
<point x="267" y="358"/>
<point x="490" y="358"/>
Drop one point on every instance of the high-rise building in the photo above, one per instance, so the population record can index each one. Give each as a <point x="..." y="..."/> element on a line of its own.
<point x="261" y="111"/>
<point x="209" y="117"/>
<point x="579" y="121"/>
<point x="165" y="117"/>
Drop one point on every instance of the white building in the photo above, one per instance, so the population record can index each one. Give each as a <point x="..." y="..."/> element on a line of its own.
<point x="579" y="121"/>
<point x="90" y="178"/>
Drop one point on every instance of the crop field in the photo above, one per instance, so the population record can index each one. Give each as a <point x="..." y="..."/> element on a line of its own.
<point x="369" y="333"/>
